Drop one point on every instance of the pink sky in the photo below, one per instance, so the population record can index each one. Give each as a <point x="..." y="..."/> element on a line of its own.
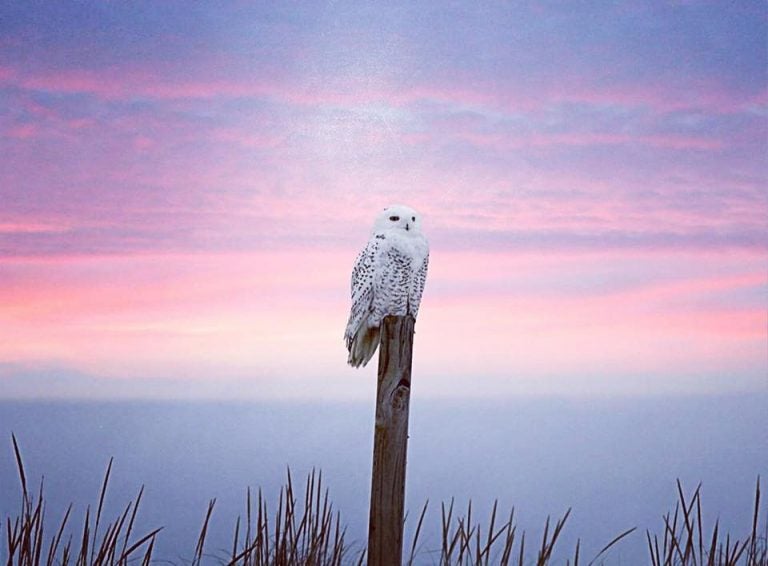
<point x="182" y="195"/>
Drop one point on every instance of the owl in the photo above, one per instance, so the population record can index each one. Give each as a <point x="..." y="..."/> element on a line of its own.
<point x="387" y="279"/>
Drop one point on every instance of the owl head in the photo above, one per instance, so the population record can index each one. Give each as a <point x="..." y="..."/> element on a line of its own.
<point x="398" y="217"/>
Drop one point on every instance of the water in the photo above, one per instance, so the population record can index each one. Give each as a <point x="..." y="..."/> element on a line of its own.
<point x="614" y="462"/>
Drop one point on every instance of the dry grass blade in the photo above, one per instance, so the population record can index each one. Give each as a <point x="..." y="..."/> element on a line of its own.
<point x="136" y="545"/>
<point x="548" y="544"/>
<point x="608" y="546"/>
<point x="713" y="544"/>
<point x="100" y="508"/>
<point x="486" y="551"/>
<point x="84" y="538"/>
<point x="54" y="546"/>
<point x="671" y="542"/>
<point x="132" y="520"/>
<point x="684" y="545"/>
<point x="148" y="556"/>
<point x="509" y="539"/>
<point x="654" y="556"/>
<point x="508" y="530"/>
<point x="248" y="519"/>
<point x="687" y="508"/>
<point x="414" y="543"/>
<point x="307" y="531"/>
<point x="20" y="468"/>
<point x="203" y="534"/>
<point x="235" y="541"/>
<point x="477" y="545"/>
<point x="445" y="526"/>
<point x="752" y="556"/>
<point x="699" y="523"/>
<point x="26" y="539"/>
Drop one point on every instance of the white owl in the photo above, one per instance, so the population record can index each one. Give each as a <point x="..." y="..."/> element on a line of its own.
<point x="387" y="279"/>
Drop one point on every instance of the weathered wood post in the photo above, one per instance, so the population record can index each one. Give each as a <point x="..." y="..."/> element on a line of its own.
<point x="390" y="443"/>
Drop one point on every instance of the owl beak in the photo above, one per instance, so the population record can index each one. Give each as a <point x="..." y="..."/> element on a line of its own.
<point x="407" y="227"/>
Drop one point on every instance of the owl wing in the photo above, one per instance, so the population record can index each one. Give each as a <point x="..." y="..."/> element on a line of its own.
<point x="417" y="287"/>
<point x="362" y="288"/>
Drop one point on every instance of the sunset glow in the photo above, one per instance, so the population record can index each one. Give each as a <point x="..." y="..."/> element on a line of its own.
<point x="183" y="190"/>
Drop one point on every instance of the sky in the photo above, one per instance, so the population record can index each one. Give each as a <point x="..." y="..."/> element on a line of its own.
<point x="184" y="188"/>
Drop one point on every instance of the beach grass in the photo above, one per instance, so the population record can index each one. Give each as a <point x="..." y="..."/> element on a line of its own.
<point x="305" y="529"/>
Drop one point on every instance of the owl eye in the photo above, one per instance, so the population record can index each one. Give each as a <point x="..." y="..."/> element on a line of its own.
<point x="394" y="218"/>
<point x="413" y="218"/>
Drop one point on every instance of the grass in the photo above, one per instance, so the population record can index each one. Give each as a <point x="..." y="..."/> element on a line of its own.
<point x="684" y="542"/>
<point x="27" y="544"/>
<point x="307" y="531"/>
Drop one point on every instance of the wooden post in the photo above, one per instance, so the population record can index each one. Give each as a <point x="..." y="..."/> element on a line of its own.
<point x="390" y="443"/>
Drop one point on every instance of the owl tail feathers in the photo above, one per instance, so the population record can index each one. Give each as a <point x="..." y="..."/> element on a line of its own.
<point x="363" y="345"/>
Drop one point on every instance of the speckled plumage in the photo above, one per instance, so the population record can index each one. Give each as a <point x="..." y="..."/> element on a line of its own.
<point x="387" y="279"/>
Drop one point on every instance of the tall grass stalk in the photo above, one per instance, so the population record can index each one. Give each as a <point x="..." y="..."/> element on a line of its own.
<point x="684" y="541"/>
<point x="465" y="543"/>
<point x="28" y="544"/>
<point x="302" y="533"/>
<point x="305" y="530"/>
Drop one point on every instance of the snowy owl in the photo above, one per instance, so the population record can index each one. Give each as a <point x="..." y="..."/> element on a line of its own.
<point x="387" y="279"/>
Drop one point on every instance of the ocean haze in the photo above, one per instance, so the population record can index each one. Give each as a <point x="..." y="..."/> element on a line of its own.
<point x="614" y="462"/>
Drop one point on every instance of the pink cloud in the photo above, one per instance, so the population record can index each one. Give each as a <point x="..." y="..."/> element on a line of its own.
<point x="247" y="139"/>
<point x="581" y="315"/>
<point x="45" y="122"/>
<point x="35" y="108"/>
<point x="25" y="227"/>
<point x="474" y="92"/>
<point x="128" y="83"/>
<point x="582" y="342"/>
<point x="470" y="92"/>
<point x="516" y="141"/>
<point x="23" y="131"/>
<point x="668" y="96"/>
<point x="539" y="314"/>
<point x="153" y="314"/>
<point x="141" y="285"/>
<point x="201" y="184"/>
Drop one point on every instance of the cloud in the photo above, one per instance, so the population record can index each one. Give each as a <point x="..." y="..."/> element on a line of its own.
<point x="479" y="93"/>
<point x="31" y="228"/>
<point x="181" y="192"/>
<point x="220" y="151"/>
<point x="244" y="316"/>
<point x="129" y="84"/>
